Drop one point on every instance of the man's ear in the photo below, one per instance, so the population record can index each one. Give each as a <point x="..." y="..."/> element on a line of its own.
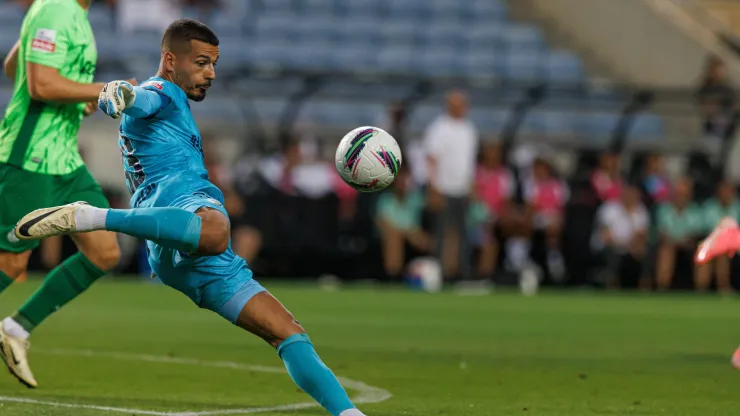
<point x="169" y="59"/>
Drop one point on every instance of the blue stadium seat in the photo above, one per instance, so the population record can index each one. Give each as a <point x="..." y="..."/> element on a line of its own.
<point x="444" y="9"/>
<point x="523" y="66"/>
<point x="280" y="6"/>
<point x="519" y="37"/>
<point x="597" y="125"/>
<point x="422" y="116"/>
<point x="353" y="57"/>
<point x="235" y="53"/>
<point x="358" y="9"/>
<point x="226" y="24"/>
<point x="647" y="126"/>
<point x="271" y="54"/>
<point x="480" y="64"/>
<point x="277" y="27"/>
<point x="399" y="33"/>
<point x="395" y="59"/>
<point x="485" y="11"/>
<point x="443" y="36"/>
<point x="101" y="20"/>
<point x="564" y="68"/>
<point x="363" y="30"/>
<point x="316" y="29"/>
<point x="552" y="122"/>
<point x="489" y="119"/>
<point x="407" y="10"/>
<point x="438" y="62"/>
<point x="318" y="7"/>
<point x="481" y="36"/>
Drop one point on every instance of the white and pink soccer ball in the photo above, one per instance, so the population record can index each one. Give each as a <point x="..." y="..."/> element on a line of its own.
<point x="368" y="159"/>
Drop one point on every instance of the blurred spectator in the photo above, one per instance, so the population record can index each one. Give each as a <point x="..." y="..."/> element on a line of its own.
<point x="546" y="195"/>
<point x="655" y="181"/>
<point x="494" y="184"/>
<point x="606" y="179"/>
<point x="716" y="98"/>
<point x="399" y="221"/>
<point x="451" y="143"/>
<point x="394" y="121"/>
<point x="278" y="171"/>
<point x="725" y="204"/>
<point x="620" y="235"/>
<point x="678" y="224"/>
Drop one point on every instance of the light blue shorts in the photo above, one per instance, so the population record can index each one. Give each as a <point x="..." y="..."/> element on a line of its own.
<point x="223" y="283"/>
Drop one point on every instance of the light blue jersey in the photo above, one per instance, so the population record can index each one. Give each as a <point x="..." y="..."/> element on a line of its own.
<point x="164" y="167"/>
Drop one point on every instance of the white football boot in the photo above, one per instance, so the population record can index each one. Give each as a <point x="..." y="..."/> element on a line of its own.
<point x="14" y="351"/>
<point x="48" y="222"/>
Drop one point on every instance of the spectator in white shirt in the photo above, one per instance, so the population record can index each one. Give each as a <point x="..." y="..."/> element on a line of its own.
<point x="620" y="234"/>
<point x="451" y="143"/>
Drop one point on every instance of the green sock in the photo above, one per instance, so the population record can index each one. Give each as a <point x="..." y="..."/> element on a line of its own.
<point x="64" y="283"/>
<point x="5" y="281"/>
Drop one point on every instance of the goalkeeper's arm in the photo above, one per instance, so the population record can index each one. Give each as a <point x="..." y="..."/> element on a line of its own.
<point x="120" y="97"/>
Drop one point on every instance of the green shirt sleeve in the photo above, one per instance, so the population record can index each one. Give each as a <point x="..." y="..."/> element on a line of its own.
<point x="48" y="36"/>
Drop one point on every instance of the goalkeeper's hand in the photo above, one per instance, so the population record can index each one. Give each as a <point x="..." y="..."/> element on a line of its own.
<point x="115" y="97"/>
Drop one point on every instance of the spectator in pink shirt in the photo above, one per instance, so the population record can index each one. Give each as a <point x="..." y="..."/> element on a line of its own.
<point x="494" y="186"/>
<point x="606" y="180"/>
<point x="546" y="195"/>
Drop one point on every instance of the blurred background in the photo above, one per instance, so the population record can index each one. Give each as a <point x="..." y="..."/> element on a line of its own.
<point x="571" y="142"/>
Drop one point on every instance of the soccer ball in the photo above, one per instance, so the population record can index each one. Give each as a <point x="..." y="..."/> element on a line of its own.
<point x="425" y="274"/>
<point x="368" y="159"/>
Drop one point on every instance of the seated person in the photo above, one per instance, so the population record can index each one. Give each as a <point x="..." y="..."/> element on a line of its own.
<point x="620" y="234"/>
<point x="679" y="223"/>
<point x="725" y="204"/>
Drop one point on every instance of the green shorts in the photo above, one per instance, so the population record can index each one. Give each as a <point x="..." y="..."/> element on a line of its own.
<point x="22" y="192"/>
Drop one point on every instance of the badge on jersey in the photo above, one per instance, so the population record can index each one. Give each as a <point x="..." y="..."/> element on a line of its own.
<point x="156" y="84"/>
<point x="44" y="41"/>
<point x="214" y="201"/>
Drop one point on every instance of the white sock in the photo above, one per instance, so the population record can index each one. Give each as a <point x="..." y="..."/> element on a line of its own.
<point x="89" y="218"/>
<point x="352" y="412"/>
<point x="14" y="329"/>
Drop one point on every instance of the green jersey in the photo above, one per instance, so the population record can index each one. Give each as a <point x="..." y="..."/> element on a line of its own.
<point x="42" y="136"/>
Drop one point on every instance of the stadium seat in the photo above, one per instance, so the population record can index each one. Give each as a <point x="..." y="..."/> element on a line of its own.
<point x="479" y="64"/>
<point x="443" y="36"/>
<point x="279" y="6"/>
<point x="486" y="11"/>
<point x="563" y="67"/>
<point x="395" y="59"/>
<point x="523" y="66"/>
<point x="360" y="31"/>
<point x="484" y="36"/>
<point x="647" y="126"/>
<point x="438" y="62"/>
<point x="489" y="119"/>
<point x="519" y="37"/>
<point x="597" y="125"/>
<point x="276" y="28"/>
<point x="399" y="33"/>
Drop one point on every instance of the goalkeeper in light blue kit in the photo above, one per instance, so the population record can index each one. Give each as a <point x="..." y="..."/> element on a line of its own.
<point x="181" y="214"/>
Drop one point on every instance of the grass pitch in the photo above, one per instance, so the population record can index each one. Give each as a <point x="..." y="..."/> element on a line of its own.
<point x="139" y="349"/>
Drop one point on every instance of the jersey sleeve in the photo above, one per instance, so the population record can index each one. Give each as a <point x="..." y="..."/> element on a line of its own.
<point x="170" y="97"/>
<point x="47" y="38"/>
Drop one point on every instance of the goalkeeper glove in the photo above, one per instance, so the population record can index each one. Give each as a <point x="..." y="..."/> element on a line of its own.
<point x="115" y="97"/>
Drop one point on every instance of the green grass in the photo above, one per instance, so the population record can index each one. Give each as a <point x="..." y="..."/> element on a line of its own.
<point x="552" y="355"/>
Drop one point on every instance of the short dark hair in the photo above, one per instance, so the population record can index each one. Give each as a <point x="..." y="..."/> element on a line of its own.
<point x="178" y="35"/>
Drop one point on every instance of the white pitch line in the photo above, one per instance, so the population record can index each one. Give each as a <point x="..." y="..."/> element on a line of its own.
<point x="366" y="393"/>
<point x="83" y="406"/>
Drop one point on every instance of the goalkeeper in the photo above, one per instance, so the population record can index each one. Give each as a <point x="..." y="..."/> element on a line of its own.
<point x="52" y="67"/>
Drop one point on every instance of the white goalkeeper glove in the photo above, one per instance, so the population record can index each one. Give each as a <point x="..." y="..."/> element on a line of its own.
<point x="115" y="97"/>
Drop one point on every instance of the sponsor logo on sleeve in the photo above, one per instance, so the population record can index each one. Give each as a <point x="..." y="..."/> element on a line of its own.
<point x="44" y="40"/>
<point x="154" y="84"/>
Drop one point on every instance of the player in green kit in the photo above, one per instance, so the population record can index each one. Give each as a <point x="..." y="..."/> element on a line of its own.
<point x="52" y="66"/>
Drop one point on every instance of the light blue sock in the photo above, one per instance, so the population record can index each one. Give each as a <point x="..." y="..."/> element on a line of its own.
<point x="170" y="227"/>
<point x="312" y="375"/>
